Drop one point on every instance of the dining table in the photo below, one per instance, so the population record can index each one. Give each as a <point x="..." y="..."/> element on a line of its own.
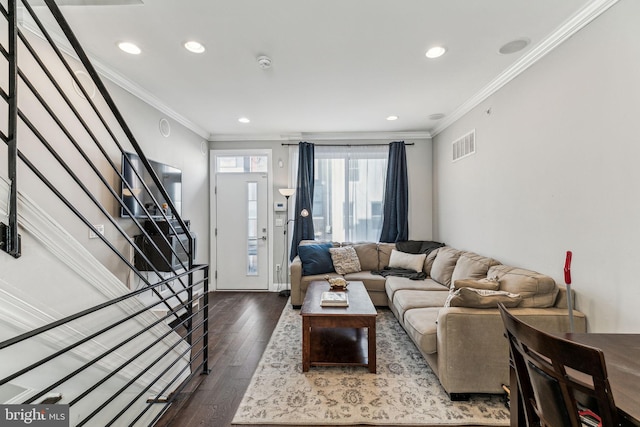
<point x="622" y="358"/>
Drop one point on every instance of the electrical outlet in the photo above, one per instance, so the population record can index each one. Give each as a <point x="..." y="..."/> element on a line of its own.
<point x="100" y="228"/>
<point x="278" y="267"/>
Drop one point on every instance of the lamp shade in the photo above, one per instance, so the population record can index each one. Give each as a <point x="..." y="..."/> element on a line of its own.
<point x="287" y="192"/>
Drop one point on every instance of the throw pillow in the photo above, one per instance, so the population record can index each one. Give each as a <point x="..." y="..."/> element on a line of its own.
<point x="472" y="266"/>
<point x="491" y="284"/>
<point x="444" y="264"/>
<point x="407" y="261"/>
<point x="345" y="260"/>
<point x="316" y="259"/>
<point x="482" y="298"/>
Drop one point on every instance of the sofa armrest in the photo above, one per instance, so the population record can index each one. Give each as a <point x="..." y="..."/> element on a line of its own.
<point x="295" y="270"/>
<point x="472" y="350"/>
<point x="473" y="353"/>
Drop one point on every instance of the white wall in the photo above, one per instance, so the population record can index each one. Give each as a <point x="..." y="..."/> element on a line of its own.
<point x="183" y="149"/>
<point x="556" y="169"/>
<point x="419" y="164"/>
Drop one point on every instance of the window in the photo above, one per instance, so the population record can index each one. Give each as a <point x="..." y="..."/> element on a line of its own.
<point x="252" y="228"/>
<point x="234" y="164"/>
<point x="348" y="191"/>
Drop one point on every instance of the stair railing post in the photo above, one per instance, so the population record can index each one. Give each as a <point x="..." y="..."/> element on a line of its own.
<point x="205" y="332"/>
<point x="9" y="237"/>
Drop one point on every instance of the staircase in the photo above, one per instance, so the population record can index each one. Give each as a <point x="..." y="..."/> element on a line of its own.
<point x="71" y="328"/>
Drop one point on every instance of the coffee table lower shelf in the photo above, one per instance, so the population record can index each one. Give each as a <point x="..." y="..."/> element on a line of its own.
<point x="339" y="346"/>
<point x="327" y="345"/>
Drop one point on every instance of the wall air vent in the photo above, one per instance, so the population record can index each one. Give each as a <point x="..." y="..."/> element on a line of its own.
<point x="464" y="146"/>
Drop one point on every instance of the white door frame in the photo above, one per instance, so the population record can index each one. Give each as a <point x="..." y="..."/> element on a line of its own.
<point x="214" y="154"/>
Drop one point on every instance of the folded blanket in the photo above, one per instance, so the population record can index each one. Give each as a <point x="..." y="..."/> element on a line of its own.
<point x="418" y="246"/>
<point x="401" y="272"/>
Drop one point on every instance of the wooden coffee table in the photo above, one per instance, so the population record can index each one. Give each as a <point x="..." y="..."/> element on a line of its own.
<point x="335" y="335"/>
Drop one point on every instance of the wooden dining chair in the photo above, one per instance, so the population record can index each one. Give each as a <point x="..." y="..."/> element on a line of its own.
<point x="561" y="382"/>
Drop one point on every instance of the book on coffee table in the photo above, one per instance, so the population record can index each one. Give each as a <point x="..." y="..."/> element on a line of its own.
<point x="334" y="299"/>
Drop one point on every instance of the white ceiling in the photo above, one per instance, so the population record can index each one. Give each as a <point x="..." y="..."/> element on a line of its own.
<point x="339" y="66"/>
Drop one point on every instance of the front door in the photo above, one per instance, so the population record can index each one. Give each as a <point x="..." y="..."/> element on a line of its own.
<point x="241" y="231"/>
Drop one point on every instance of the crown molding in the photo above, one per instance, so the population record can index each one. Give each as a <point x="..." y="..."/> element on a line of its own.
<point x="25" y="22"/>
<point x="322" y="136"/>
<point x="574" y="24"/>
<point x="148" y="98"/>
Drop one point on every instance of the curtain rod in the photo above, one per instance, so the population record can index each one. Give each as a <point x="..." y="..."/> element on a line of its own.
<point x="344" y="145"/>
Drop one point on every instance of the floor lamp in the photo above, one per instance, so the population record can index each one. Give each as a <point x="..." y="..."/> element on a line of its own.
<point x="286" y="192"/>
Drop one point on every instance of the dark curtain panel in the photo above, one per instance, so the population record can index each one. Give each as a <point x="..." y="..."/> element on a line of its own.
<point x="303" y="226"/>
<point x="395" y="220"/>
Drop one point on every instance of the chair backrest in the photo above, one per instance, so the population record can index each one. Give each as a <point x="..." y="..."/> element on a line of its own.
<point x="558" y="378"/>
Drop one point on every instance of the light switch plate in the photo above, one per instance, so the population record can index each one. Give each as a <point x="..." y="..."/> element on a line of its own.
<point x="100" y="228"/>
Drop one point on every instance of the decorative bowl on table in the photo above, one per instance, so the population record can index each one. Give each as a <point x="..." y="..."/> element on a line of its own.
<point x="337" y="283"/>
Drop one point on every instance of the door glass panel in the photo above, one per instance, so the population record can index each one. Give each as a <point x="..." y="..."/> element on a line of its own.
<point x="252" y="228"/>
<point x="234" y="164"/>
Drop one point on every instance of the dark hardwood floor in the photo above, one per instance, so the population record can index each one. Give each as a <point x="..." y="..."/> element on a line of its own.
<point x="240" y="326"/>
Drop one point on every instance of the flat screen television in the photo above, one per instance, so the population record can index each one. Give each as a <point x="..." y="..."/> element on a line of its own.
<point x="170" y="177"/>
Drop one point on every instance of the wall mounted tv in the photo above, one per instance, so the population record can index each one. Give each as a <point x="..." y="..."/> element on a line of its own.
<point x="170" y="177"/>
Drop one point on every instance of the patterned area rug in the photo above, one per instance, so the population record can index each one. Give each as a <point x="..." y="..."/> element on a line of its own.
<point x="404" y="390"/>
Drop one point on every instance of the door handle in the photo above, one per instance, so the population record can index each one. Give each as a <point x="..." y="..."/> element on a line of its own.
<point x="264" y="238"/>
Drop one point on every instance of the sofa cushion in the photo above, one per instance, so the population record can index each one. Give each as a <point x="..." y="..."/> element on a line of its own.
<point x="408" y="299"/>
<point x="482" y="298"/>
<point x="444" y="264"/>
<point x="428" y="261"/>
<point x="395" y="283"/>
<point x="384" y="253"/>
<point x="536" y="290"/>
<point x="345" y="260"/>
<point x="407" y="261"/>
<point x="472" y="266"/>
<point x="315" y="258"/>
<point x="490" y="284"/>
<point x="422" y="326"/>
<point x="372" y="282"/>
<point x="367" y="255"/>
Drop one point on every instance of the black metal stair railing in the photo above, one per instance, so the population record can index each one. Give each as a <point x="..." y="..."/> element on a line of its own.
<point x="60" y="140"/>
<point x="9" y="238"/>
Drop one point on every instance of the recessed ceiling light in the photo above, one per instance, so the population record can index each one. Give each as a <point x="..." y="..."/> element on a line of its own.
<point x="514" y="46"/>
<point x="194" y="46"/>
<point x="129" y="48"/>
<point x="436" y="116"/>
<point x="392" y="118"/>
<point x="244" y="120"/>
<point x="435" y="52"/>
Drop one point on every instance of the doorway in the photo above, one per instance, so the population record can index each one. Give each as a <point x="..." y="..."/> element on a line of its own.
<point x="241" y="229"/>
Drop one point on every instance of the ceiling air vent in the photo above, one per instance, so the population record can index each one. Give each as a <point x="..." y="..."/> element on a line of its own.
<point x="464" y="146"/>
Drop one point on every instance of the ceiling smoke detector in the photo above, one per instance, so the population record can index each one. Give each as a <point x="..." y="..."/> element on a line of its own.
<point x="264" y="62"/>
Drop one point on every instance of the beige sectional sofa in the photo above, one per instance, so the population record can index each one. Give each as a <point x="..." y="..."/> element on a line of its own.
<point x="463" y="344"/>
